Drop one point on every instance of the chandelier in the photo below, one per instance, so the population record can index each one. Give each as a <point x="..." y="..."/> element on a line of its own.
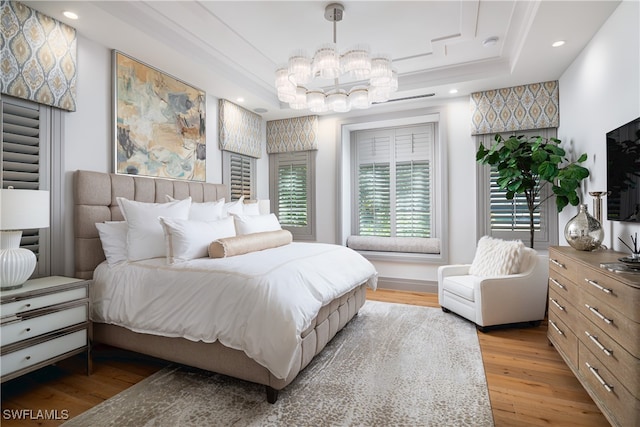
<point x="314" y="82"/>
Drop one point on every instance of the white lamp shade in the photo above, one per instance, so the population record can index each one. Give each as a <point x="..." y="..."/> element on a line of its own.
<point x="23" y="209"/>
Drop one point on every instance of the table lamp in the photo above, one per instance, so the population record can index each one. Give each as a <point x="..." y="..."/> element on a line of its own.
<point x="19" y="210"/>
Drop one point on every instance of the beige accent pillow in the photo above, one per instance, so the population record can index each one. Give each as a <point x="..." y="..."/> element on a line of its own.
<point x="496" y="257"/>
<point x="239" y="245"/>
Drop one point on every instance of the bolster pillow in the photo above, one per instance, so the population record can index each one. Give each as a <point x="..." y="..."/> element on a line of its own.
<point x="238" y="245"/>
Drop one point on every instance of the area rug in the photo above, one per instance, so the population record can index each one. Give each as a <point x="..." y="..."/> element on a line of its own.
<point x="392" y="365"/>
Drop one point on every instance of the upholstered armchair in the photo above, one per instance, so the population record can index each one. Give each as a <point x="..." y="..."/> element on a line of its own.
<point x="496" y="299"/>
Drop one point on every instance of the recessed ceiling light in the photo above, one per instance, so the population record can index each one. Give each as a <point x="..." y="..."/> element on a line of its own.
<point x="452" y="91"/>
<point x="490" y="41"/>
<point x="558" y="43"/>
<point x="70" y="15"/>
<point x="240" y="99"/>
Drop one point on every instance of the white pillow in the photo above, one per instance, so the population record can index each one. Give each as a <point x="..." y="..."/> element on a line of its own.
<point x="145" y="237"/>
<point x="113" y="236"/>
<point x="234" y="208"/>
<point x="187" y="239"/>
<point x="204" y="211"/>
<point x="247" y="224"/>
<point x="496" y="257"/>
<point x="252" y="208"/>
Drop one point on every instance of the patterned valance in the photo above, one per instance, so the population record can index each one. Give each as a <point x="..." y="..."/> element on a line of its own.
<point x="532" y="106"/>
<point x="289" y="135"/>
<point x="240" y="129"/>
<point x="38" y="59"/>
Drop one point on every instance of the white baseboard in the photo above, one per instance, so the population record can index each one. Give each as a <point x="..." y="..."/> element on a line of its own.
<point x="410" y="285"/>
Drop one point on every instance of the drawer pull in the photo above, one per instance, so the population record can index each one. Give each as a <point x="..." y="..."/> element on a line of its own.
<point x="28" y="330"/>
<point x="594" y="371"/>
<point x="556" y="262"/>
<point x="558" y="284"/>
<point x="598" y="344"/>
<point x="597" y="313"/>
<point x="594" y="283"/>
<point x="28" y="357"/>
<point x="556" y="304"/>
<point x="558" y="330"/>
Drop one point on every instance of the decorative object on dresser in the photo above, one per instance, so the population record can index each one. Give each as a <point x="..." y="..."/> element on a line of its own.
<point x="19" y="210"/>
<point x="584" y="232"/>
<point x="45" y="321"/>
<point x="594" y="323"/>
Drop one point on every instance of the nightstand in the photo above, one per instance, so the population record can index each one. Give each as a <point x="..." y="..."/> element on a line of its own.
<point x="44" y="321"/>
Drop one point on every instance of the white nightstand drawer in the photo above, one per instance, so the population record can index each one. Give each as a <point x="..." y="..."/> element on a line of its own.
<point x="12" y="308"/>
<point x="35" y="326"/>
<point x="24" y="358"/>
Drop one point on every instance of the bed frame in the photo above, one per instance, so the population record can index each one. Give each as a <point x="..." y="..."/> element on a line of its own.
<point x="95" y="201"/>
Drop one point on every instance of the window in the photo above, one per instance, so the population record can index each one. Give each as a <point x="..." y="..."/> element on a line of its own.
<point x="509" y="219"/>
<point x="24" y="163"/>
<point x="239" y="175"/>
<point x="292" y="188"/>
<point x="393" y="181"/>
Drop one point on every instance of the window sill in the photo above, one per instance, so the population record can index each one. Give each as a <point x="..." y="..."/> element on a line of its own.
<point x="405" y="257"/>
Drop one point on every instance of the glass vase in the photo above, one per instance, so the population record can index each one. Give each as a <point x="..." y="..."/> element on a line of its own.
<point x="583" y="232"/>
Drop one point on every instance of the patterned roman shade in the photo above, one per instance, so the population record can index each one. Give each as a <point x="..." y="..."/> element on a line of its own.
<point x="532" y="106"/>
<point x="38" y="59"/>
<point x="291" y="135"/>
<point x="240" y="129"/>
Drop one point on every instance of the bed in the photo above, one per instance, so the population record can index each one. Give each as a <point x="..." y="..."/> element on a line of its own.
<point x="95" y="201"/>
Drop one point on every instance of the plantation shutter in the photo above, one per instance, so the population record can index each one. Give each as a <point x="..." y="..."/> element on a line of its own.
<point x="394" y="181"/>
<point x="21" y="155"/>
<point x="413" y="192"/>
<point x="374" y="183"/>
<point x="241" y="171"/>
<point x="293" y="187"/>
<point x="509" y="215"/>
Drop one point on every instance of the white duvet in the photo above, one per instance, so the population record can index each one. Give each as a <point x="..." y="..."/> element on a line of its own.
<point x="258" y="303"/>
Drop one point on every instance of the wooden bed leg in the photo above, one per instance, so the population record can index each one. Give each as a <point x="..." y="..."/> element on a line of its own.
<point x="272" y="395"/>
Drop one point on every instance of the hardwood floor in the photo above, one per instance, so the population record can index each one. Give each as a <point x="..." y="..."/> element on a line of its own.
<point x="529" y="384"/>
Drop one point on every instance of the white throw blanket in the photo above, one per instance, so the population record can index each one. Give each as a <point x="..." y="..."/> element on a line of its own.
<point x="259" y="302"/>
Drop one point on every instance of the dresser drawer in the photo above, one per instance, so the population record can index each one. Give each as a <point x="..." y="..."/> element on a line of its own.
<point x="12" y="362"/>
<point x="35" y="326"/>
<point x="563" y="310"/>
<point x="607" y="390"/>
<point x="625" y="298"/>
<point x="564" y="287"/>
<point x="610" y="354"/>
<point x="563" y="339"/>
<point x="620" y="328"/>
<point x="563" y="265"/>
<point x="16" y="307"/>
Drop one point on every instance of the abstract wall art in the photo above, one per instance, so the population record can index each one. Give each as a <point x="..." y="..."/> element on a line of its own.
<point x="159" y="123"/>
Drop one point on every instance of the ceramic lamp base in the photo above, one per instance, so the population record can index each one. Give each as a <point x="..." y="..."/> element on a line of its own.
<point x="16" y="263"/>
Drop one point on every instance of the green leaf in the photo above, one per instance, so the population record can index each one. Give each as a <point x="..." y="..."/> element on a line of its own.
<point x="582" y="158"/>
<point x="561" y="202"/>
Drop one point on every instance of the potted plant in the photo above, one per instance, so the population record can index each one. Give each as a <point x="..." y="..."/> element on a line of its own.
<point x="526" y="165"/>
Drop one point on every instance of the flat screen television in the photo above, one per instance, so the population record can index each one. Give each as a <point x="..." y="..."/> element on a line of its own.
<point x="623" y="172"/>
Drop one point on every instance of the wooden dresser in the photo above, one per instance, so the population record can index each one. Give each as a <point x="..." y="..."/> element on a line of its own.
<point x="594" y="323"/>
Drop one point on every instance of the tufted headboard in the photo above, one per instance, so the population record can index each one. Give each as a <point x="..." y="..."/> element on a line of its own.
<point x="95" y="201"/>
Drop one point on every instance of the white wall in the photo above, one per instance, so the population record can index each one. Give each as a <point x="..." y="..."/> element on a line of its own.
<point x="599" y="92"/>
